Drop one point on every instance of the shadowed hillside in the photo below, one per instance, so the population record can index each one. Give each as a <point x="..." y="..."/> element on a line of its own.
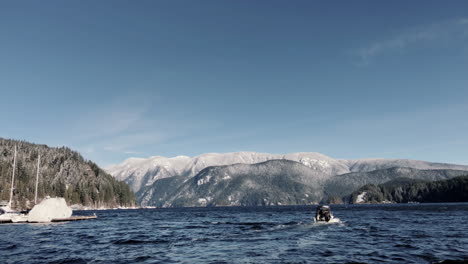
<point x="404" y="190"/>
<point x="63" y="173"/>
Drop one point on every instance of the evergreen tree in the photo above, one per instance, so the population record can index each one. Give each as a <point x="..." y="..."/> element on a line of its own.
<point x="63" y="173"/>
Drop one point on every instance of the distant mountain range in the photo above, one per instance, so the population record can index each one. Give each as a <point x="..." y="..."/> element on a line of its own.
<point x="250" y="178"/>
<point x="138" y="172"/>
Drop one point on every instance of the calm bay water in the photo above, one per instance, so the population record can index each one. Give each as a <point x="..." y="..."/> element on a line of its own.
<point x="410" y="233"/>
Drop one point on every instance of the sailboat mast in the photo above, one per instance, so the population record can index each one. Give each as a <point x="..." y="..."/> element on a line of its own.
<point x="12" y="180"/>
<point x="37" y="178"/>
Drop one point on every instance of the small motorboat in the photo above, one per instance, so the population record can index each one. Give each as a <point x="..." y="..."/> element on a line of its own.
<point x="323" y="215"/>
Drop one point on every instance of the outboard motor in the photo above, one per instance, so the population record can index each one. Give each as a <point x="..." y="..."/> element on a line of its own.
<point x="323" y="213"/>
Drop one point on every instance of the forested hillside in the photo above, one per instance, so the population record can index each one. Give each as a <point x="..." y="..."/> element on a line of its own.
<point x="406" y="190"/>
<point x="345" y="184"/>
<point x="63" y="173"/>
<point x="273" y="182"/>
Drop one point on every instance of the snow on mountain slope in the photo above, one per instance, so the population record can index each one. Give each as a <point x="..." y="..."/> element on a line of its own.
<point x="138" y="172"/>
<point x="274" y="182"/>
<point x="365" y="165"/>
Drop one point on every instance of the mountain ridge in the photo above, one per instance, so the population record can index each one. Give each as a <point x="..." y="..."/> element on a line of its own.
<point x="141" y="172"/>
<point x="274" y="182"/>
<point x="157" y="180"/>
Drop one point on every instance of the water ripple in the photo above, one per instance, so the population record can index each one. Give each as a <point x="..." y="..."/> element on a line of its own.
<point x="368" y="234"/>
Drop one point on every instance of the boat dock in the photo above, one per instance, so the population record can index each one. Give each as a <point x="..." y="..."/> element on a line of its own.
<point x="68" y="219"/>
<point x="75" y="218"/>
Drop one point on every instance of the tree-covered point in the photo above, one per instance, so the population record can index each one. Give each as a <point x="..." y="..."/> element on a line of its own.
<point x="63" y="173"/>
<point x="405" y="190"/>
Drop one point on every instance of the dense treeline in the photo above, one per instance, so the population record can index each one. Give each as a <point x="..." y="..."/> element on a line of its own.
<point x="339" y="189"/>
<point x="409" y="190"/>
<point x="63" y="173"/>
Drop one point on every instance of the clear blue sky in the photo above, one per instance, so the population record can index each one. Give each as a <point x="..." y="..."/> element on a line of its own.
<point x="350" y="79"/>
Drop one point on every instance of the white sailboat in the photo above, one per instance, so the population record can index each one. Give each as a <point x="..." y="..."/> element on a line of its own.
<point x="48" y="210"/>
<point x="7" y="214"/>
<point x="22" y="218"/>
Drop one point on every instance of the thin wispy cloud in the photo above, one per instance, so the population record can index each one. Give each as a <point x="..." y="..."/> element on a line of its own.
<point x="444" y="32"/>
<point x="110" y="119"/>
<point x="127" y="143"/>
<point x="119" y="126"/>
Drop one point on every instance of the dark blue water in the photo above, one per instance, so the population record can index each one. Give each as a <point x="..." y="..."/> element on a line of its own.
<point x="423" y="233"/>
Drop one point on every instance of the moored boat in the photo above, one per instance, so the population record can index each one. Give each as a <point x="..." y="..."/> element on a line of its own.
<point x="48" y="210"/>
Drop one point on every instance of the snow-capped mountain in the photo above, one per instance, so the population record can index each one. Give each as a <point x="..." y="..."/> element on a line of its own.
<point x="138" y="172"/>
<point x="156" y="180"/>
<point x="273" y="182"/>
